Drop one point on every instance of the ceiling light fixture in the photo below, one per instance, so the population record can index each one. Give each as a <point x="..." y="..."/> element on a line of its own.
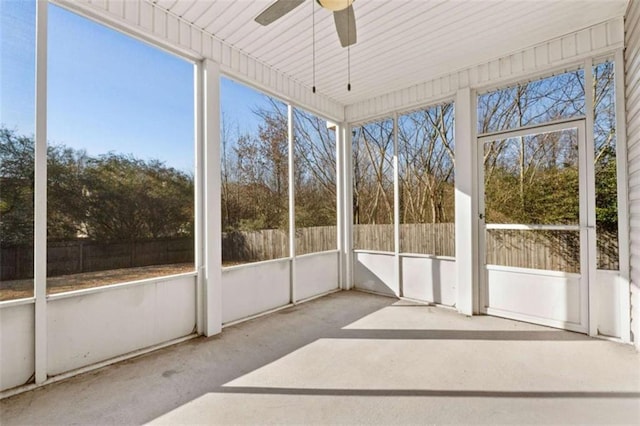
<point x="343" y="16"/>
<point x="335" y="5"/>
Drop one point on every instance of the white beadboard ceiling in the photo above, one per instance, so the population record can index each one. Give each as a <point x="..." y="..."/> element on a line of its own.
<point x="400" y="42"/>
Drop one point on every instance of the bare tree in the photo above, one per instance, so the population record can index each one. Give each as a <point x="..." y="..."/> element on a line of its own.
<point x="426" y="165"/>
<point x="373" y="173"/>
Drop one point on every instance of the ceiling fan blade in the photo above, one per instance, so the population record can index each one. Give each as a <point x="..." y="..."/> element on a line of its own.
<point x="277" y="10"/>
<point x="345" y="21"/>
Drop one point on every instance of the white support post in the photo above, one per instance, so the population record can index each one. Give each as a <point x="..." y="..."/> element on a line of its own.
<point x="340" y="204"/>
<point x="396" y="209"/>
<point x="200" y="171"/>
<point x="592" y="258"/>
<point x="347" y="212"/>
<point x="623" y="199"/>
<point x="212" y="297"/>
<point x="466" y="204"/>
<point x="292" y="204"/>
<point x="40" y="197"/>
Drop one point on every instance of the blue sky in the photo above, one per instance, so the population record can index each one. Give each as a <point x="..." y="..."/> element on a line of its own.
<point x="17" y="64"/>
<point x="107" y="91"/>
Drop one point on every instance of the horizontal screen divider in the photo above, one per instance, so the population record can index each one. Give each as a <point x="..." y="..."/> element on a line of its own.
<point x="532" y="227"/>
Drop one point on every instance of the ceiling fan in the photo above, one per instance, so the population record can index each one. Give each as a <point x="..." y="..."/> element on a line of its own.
<point x="343" y="16"/>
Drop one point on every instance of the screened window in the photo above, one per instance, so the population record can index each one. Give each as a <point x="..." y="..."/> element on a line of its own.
<point x="557" y="97"/>
<point x="120" y="158"/>
<point x="315" y="183"/>
<point x="17" y="147"/>
<point x="255" y="175"/>
<point x="554" y="98"/>
<point x="373" y="186"/>
<point x="426" y="181"/>
<point x="533" y="179"/>
<point x="604" y="138"/>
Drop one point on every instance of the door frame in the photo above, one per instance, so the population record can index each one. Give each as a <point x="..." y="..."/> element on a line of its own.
<point x="586" y="225"/>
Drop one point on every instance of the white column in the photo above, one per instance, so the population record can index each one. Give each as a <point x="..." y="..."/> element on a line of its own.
<point x="466" y="203"/>
<point x="212" y="228"/>
<point x="396" y="209"/>
<point x="292" y="204"/>
<point x="198" y="80"/>
<point x="40" y="196"/>
<point x="623" y="199"/>
<point x="590" y="215"/>
<point x="340" y="203"/>
<point x="347" y="212"/>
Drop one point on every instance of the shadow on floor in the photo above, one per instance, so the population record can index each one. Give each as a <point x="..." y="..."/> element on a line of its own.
<point x="145" y="388"/>
<point x="422" y="393"/>
<point x="513" y="335"/>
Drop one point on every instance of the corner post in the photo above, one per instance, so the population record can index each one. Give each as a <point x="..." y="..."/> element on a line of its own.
<point x="212" y="226"/>
<point x="292" y="203"/>
<point x="623" y="198"/>
<point x="40" y="196"/>
<point x="590" y="202"/>
<point x="199" y="193"/>
<point x="340" y="202"/>
<point x="347" y="213"/>
<point x="396" y="209"/>
<point x="466" y="204"/>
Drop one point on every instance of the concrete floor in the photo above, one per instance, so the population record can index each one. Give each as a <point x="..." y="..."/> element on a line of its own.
<point x="356" y="358"/>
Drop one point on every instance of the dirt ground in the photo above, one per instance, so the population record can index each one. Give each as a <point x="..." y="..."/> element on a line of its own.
<point x="18" y="289"/>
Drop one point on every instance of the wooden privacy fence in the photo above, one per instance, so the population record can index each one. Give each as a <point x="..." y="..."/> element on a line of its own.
<point x="248" y="246"/>
<point x="373" y="237"/>
<point x="426" y="238"/>
<point x="553" y="250"/>
<point x="77" y="256"/>
<point x="251" y="246"/>
<point x="550" y="250"/>
<point x="437" y="239"/>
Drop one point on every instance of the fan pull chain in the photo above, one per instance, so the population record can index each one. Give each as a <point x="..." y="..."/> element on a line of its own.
<point x="313" y="18"/>
<point x="349" y="68"/>
<point x="348" y="52"/>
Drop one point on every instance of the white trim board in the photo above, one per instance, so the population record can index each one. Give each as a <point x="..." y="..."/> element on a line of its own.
<point x="555" y="55"/>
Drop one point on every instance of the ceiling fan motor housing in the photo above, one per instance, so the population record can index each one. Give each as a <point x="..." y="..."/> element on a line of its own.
<point x="335" y="5"/>
<point x="343" y="16"/>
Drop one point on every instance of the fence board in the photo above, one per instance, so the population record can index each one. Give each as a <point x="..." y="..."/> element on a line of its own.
<point x="77" y="256"/>
<point x="554" y="250"/>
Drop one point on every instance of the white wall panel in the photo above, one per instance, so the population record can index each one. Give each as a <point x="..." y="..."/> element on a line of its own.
<point x="607" y="299"/>
<point x="550" y="299"/>
<point x="632" y="79"/>
<point x="429" y="279"/>
<point x="254" y="288"/>
<point x="567" y="50"/>
<point x="316" y="274"/>
<point x="17" y="362"/>
<point x="375" y="272"/>
<point x="93" y="326"/>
